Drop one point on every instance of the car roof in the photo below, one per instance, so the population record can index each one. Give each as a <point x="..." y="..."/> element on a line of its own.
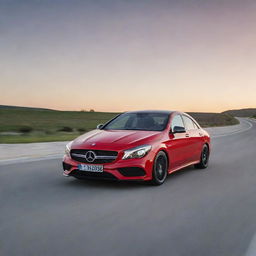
<point x="168" y="112"/>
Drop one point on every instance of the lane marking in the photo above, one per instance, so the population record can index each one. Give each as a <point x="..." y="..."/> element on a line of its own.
<point x="232" y="133"/>
<point x="251" y="251"/>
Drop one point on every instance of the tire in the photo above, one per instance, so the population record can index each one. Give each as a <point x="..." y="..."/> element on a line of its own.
<point x="160" y="169"/>
<point x="204" y="158"/>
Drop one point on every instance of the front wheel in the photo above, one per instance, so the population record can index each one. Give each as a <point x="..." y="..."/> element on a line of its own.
<point x="204" y="158"/>
<point x="160" y="169"/>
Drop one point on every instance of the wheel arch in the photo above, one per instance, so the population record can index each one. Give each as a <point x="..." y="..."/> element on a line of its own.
<point x="167" y="156"/>
<point x="208" y="145"/>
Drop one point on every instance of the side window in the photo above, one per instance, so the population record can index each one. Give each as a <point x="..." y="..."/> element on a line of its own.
<point x="196" y="126"/>
<point x="190" y="125"/>
<point x="177" y="121"/>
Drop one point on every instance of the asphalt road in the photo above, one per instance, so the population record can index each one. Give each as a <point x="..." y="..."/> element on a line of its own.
<point x="196" y="212"/>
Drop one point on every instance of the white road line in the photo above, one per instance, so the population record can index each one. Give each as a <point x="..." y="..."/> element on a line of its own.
<point x="252" y="247"/>
<point x="232" y="133"/>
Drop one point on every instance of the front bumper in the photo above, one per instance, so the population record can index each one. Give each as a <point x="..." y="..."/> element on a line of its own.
<point x="129" y="169"/>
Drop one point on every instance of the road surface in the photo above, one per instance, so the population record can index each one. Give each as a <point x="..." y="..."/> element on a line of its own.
<point x="196" y="212"/>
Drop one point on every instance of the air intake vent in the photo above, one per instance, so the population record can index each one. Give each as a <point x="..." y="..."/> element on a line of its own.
<point x="131" y="171"/>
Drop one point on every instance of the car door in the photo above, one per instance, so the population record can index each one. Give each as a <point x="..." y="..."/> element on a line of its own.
<point x="178" y="144"/>
<point x="194" y="138"/>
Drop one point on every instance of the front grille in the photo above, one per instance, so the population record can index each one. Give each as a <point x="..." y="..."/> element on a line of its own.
<point x="92" y="175"/>
<point x="102" y="156"/>
<point x="131" y="171"/>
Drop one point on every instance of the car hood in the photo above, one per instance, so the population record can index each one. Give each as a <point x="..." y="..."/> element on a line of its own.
<point x="114" y="139"/>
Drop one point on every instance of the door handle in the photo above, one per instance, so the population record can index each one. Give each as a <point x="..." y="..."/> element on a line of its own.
<point x="200" y="134"/>
<point x="187" y="135"/>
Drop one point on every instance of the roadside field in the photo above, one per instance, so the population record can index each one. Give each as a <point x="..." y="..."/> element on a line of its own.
<point x="21" y="125"/>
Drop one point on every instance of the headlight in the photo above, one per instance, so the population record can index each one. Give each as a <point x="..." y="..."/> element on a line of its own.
<point x="137" y="152"/>
<point x="67" y="149"/>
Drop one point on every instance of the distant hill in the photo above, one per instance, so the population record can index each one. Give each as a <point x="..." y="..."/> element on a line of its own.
<point x="23" y="108"/>
<point x="213" y="119"/>
<point x="246" y="112"/>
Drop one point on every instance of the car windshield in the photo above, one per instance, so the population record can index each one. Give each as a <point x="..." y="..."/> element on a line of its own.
<point x="139" y="121"/>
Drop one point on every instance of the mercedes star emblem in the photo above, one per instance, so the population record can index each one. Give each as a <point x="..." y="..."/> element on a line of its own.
<point x="90" y="156"/>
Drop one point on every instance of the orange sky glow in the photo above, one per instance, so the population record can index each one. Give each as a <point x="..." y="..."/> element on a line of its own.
<point x="127" y="55"/>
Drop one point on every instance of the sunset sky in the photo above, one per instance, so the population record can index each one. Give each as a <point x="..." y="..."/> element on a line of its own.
<point x="189" y="55"/>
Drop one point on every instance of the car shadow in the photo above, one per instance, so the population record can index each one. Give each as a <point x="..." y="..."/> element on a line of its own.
<point x="94" y="183"/>
<point x="181" y="172"/>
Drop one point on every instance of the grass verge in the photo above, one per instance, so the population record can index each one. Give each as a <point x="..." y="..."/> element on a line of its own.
<point x="26" y="125"/>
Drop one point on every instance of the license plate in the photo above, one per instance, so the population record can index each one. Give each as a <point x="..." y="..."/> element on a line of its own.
<point x="90" y="168"/>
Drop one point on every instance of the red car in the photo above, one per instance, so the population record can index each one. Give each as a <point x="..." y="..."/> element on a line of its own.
<point x="138" y="145"/>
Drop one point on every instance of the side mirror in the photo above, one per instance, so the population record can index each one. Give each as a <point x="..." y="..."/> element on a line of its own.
<point x="178" y="129"/>
<point x="99" y="126"/>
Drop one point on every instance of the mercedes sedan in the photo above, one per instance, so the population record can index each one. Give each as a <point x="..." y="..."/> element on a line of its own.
<point x="138" y="145"/>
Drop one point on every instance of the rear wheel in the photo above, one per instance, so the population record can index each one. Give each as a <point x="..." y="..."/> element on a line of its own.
<point x="160" y="169"/>
<point x="204" y="158"/>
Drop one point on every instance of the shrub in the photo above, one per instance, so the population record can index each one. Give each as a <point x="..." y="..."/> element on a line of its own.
<point x="48" y="132"/>
<point x="81" y="130"/>
<point x="66" y="129"/>
<point x="92" y="110"/>
<point x="25" y="129"/>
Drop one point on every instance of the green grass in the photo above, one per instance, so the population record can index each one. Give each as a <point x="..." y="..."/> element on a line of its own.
<point x="50" y="120"/>
<point x="30" y="138"/>
<point x="46" y="124"/>
<point x="43" y="125"/>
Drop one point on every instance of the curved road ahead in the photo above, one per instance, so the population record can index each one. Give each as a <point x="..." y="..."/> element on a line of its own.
<point x="196" y="212"/>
